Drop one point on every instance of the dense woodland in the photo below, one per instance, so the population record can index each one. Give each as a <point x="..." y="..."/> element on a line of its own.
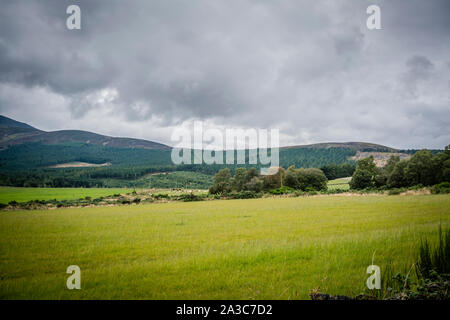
<point x="27" y="165"/>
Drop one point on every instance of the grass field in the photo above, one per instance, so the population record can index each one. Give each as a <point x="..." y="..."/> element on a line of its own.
<point x="8" y="194"/>
<point x="342" y="183"/>
<point x="273" y="248"/>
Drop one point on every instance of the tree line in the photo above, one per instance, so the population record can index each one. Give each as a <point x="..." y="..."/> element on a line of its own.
<point x="309" y="179"/>
<point x="423" y="168"/>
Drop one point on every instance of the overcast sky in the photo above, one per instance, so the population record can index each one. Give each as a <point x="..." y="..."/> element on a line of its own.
<point x="312" y="69"/>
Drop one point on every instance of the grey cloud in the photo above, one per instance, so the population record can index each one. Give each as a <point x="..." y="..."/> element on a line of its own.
<point x="307" y="67"/>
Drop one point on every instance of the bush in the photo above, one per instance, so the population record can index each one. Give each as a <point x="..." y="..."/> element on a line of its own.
<point x="443" y="187"/>
<point x="282" y="190"/>
<point x="161" y="196"/>
<point x="187" y="197"/>
<point x="245" y="195"/>
<point x="395" y="191"/>
<point x="301" y="179"/>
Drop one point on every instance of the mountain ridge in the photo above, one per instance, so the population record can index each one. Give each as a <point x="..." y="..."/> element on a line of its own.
<point x="13" y="132"/>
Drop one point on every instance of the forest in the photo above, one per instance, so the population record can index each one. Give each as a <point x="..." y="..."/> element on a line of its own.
<point x="28" y="165"/>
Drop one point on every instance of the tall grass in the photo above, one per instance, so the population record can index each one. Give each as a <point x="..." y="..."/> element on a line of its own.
<point x="269" y="248"/>
<point x="434" y="258"/>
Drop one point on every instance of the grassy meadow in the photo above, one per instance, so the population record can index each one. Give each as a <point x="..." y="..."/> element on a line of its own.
<point x="8" y="194"/>
<point x="342" y="183"/>
<point x="271" y="248"/>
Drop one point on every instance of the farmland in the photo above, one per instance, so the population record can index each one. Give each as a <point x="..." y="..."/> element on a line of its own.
<point x="271" y="248"/>
<point x="339" y="184"/>
<point x="8" y="194"/>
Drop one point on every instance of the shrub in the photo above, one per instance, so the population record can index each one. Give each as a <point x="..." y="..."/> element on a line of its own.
<point x="395" y="191"/>
<point x="443" y="187"/>
<point x="187" y="197"/>
<point x="245" y="195"/>
<point x="282" y="190"/>
<point x="304" y="178"/>
<point x="161" y="196"/>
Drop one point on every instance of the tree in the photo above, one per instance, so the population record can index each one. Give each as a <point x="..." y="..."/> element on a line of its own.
<point x="381" y="177"/>
<point x="389" y="167"/>
<point x="240" y="179"/>
<point x="397" y="177"/>
<point x="305" y="178"/>
<point x="364" y="175"/>
<point x="222" y="182"/>
<point x="251" y="173"/>
<point x="290" y="178"/>
<point x="315" y="179"/>
<point x="255" y="184"/>
<point x="420" y="169"/>
<point x="442" y="166"/>
<point x="383" y="174"/>
<point x="275" y="180"/>
<point x="361" y="179"/>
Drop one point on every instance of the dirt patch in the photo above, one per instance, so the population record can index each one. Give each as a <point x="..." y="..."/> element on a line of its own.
<point x="80" y="165"/>
<point x="415" y="192"/>
<point x="380" y="158"/>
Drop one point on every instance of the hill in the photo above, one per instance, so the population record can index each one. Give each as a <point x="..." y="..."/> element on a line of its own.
<point x="356" y="146"/>
<point x="16" y="133"/>
<point x="33" y="157"/>
<point x="6" y="122"/>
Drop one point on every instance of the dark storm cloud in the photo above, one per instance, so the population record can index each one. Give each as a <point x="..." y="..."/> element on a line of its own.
<point x="310" y="68"/>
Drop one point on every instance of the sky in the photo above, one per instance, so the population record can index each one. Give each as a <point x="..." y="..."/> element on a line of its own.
<point x="311" y="69"/>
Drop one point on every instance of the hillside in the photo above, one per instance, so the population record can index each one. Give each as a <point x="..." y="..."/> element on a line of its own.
<point x="10" y="123"/>
<point x="356" y="146"/>
<point x="16" y="133"/>
<point x="74" y="158"/>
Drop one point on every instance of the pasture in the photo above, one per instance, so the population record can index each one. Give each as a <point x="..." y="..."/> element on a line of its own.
<point x="8" y="194"/>
<point x="342" y="183"/>
<point x="270" y="248"/>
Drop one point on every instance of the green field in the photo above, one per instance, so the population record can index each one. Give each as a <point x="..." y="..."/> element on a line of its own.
<point x="8" y="194"/>
<point x="341" y="183"/>
<point x="273" y="248"/>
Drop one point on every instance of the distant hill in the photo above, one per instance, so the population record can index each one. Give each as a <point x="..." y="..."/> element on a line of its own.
<point x="25" y="148"/>
<point x="10" y="123"/>
<point x="356" y="146"/>
<point x="16" y="133"/>
<point x="13" y="132"/>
